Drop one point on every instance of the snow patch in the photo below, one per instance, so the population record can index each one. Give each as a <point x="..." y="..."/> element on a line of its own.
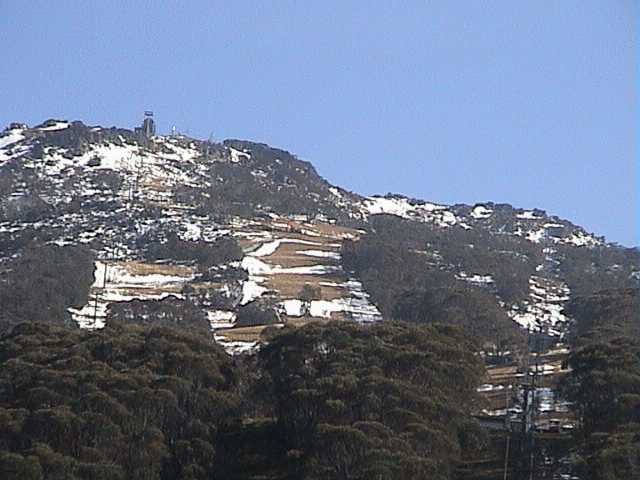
<point x="54" y="126"/>
<point x="527" y="215"/>
<point x="319" y="254"/>
<point x="481" y="212"/>
<point x="237" y="155"/>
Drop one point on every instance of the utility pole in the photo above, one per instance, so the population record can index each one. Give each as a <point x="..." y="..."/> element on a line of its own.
<point x="506" y="455"/>
<point x="508" y="431"/>
<point x="529" y="411"/>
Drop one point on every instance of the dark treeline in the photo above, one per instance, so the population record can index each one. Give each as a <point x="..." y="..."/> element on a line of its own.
<point x="265" y="179"/>
<point x="410" y="271"/>
<point x="169" y="312"/>
<point x="591" y="270"/>
<point x="604" y="384"/>
<point x="204" y="254"/>
<point x="43" y="282"/>
<point x="324" y="401"/>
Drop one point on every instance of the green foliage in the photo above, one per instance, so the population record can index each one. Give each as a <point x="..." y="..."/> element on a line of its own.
<point x="589" y="270"/>
<point x="604" y="384"/>
<point x="255" y="313"/>
<point x="205" y="254"/>
<point x="268" y="179"/>
<point x="607" y="313"/>
<point x="325" y="401"/>
<point x="377" y="402"/>
<point x="122" y="403"/>
<point x="411" y="283"/>
<point x="169" y="312"/>
<point x="43" y="283"/>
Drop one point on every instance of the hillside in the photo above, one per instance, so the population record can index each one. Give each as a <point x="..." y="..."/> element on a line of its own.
<point x="236" y="241"/>
<point x="125" y="197"/>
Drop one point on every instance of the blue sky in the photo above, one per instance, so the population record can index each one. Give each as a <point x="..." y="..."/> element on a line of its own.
<point x="526" y="102"/>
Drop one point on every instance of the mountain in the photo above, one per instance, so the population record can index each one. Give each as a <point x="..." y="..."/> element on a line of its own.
<point x="492" y="332"/>
<point x="247" y="235"/>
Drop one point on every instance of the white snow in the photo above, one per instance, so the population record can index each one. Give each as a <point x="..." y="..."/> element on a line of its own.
<point x="475" y="278"/>
<point x="320" y="254"/>
<point x="266" y="249"/>
<point x="237" y="155"/>
<point x="192" y="232"/>
<point x="487" y="387"/>
<point x="251" y="290"/>
<point x="536" y="236"/>
<point x="357" y="305"/>
<point x="221" y="319"/>
<point x="11" y="137"/>
<point x="269" y="248"/>
<point x="7" y="143"/>
<point x="577" y="238"/>
<point x="335" y="192"/>
<point x="581" y="239"/>
<point x="393" y="206"/>
<point x="481" y="212"/>
<point x="402" y="207"/>
<point x="114" y="283"/>
<point x="293" y="307"/>
<point x="120" y="276"/>
<point x="235" y="347"/>
<point x="527" y="215"/>
<point x="544" y="308"/>
<point x="253" y="266"/>
<point x="55" y="126"/>
<point x="324" y="308"/>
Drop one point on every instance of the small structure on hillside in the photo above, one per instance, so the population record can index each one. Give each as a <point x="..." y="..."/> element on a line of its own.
<point x="148" y="128"/>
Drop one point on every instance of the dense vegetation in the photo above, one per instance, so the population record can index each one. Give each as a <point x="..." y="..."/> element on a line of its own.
<point x="323" y="401"/>
<point x="124" y="403"/>
<point x="43" y="282"/>
<point x="267" y="179"/>
<point x="604" y="384"/>
<point x="378" y="402"/>
<point x="590" y="270"/>
<point x="205" y="254"/>
<point x="407" y="269"/>
<point x="169" y="312"/>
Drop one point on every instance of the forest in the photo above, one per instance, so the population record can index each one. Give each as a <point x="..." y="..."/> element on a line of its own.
<point x="409" y="282"/>
<point x="324" y="401"/>
<point x="604" y="384"/>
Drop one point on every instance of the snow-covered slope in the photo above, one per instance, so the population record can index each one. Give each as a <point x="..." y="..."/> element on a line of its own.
<point x="67" y="183"/>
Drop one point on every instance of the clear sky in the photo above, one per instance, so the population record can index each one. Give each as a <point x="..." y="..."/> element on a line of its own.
<point x="532" y="103"/>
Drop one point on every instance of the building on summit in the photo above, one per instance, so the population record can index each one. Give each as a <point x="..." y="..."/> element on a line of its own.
<point x="148" y="128"/>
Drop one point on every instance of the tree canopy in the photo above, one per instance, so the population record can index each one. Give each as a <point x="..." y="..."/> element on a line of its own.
<point x="604" y="384"/>
<point x="122" y="403"/>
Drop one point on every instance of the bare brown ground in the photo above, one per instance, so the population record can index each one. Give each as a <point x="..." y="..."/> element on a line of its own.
<point x="335" y="231"/>
<point x="253" y="334"/>
<point x="157" y="184"/>
<point x="143" y="292"/>
<point x="289" y="285"/>
<point x="141" y="268"/>
<point x="287" y="256"/>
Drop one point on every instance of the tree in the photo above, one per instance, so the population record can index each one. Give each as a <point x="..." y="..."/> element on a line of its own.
<point x="354" y="401"/>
